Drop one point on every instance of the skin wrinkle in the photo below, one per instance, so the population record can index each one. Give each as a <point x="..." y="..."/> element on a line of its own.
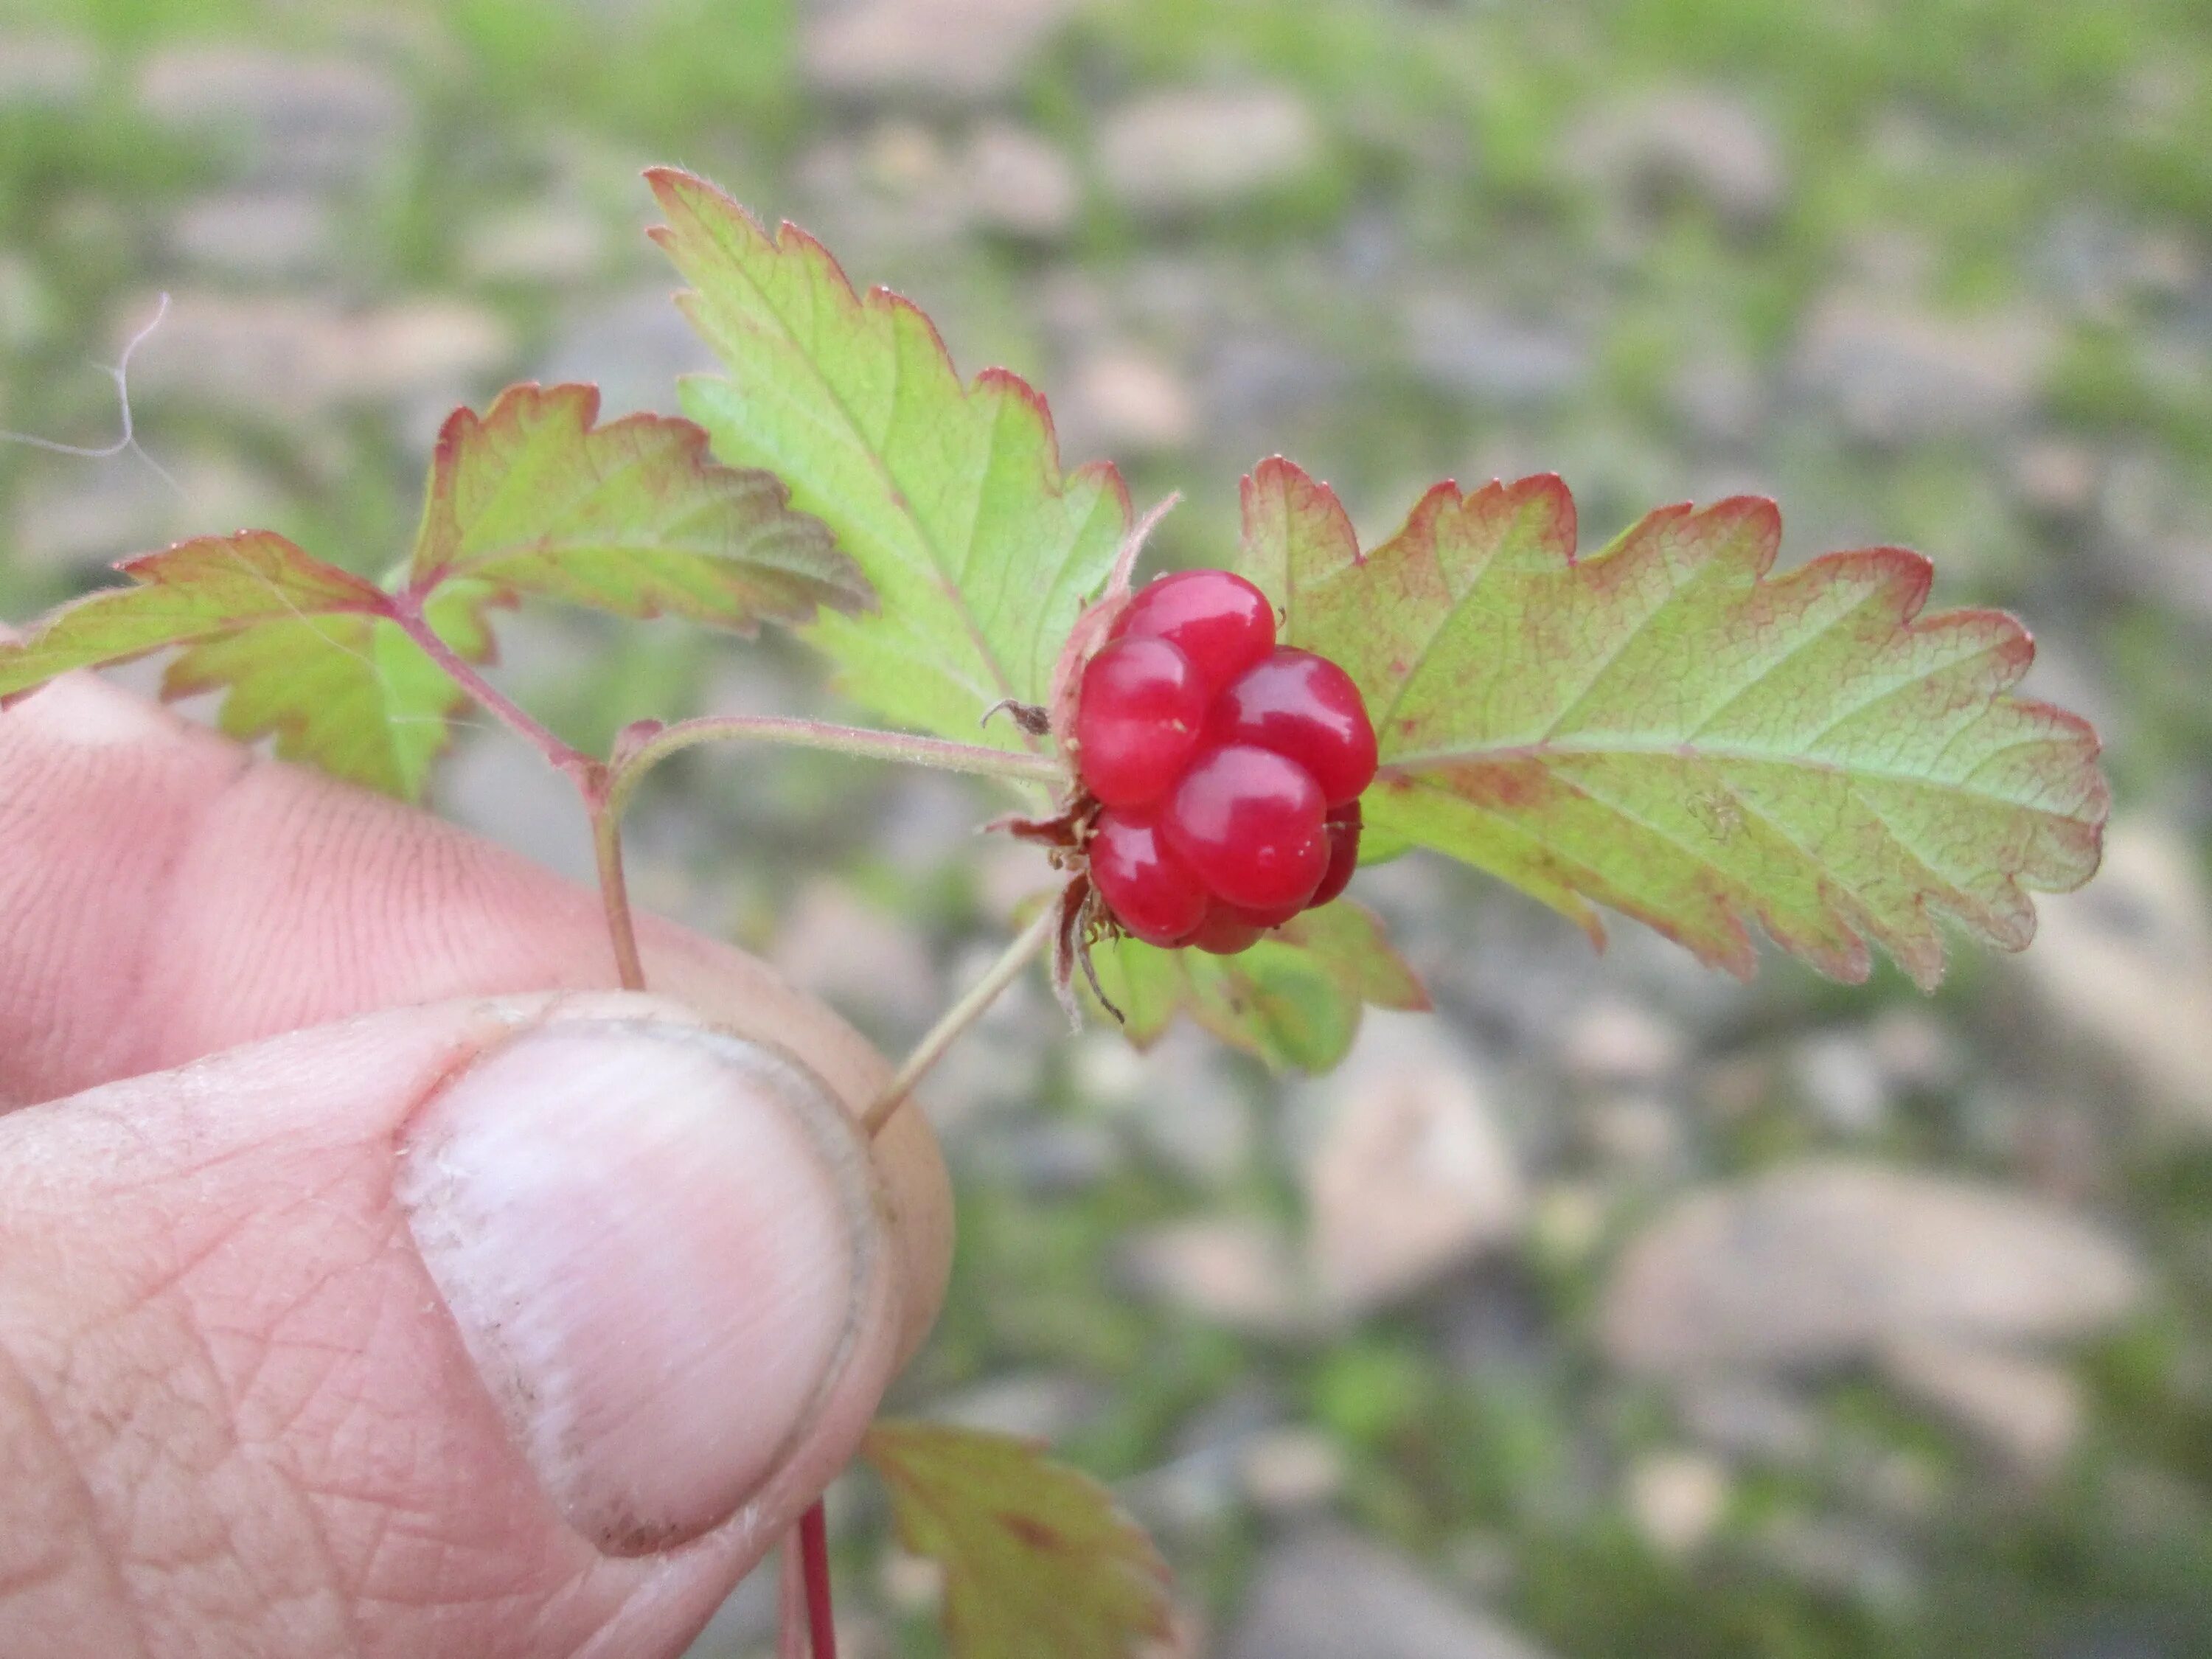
<point x="106" y="1555"/>
<point x="232" y="1556"/>
<point x="426" y="913"/>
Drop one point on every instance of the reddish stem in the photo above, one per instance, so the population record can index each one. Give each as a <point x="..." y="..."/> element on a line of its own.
<point x="590" y="775"/>
<point x="814" y="1562"/>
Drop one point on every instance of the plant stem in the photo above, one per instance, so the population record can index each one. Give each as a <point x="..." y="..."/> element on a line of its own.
<point x="960" y="1016"/>
<point x="814" y="1562"/>
<point x="629" y="765"/>
<point x="614" y="893"/>
<point x="407" y="613"/>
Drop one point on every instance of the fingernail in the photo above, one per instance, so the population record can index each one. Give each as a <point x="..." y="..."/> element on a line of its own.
<point x="654" y="1240"/>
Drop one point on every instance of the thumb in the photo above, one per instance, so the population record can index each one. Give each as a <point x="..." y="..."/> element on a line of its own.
<point x="501" y="1328"/>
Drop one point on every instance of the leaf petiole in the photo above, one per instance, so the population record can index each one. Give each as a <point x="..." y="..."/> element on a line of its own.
<point x="614" y="893"/>
<point x="588" y="774"/>
<point x="960" y="1016"/>
<point x="633" y="758"/>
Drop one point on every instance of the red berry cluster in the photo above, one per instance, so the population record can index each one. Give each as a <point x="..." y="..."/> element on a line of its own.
<point x="1228" y="769"/>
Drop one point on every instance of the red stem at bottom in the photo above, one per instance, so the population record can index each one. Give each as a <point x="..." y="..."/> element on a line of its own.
<point x="814" y="1562"/>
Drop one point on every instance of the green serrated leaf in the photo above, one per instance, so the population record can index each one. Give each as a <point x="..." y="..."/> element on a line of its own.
<point x="1667" y="728"/>
<point x="950" y="497"/>
<point x="1294" y="999"/>
<point x="351" y="694"/>
<point x="632" y="518"/>
<point x="197" y="590"/>
<point x="303" y="651"/>
<point x="1037" y="1557"/>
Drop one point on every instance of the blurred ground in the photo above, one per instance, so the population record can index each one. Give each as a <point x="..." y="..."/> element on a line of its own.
<point x="1622" y="1311"/>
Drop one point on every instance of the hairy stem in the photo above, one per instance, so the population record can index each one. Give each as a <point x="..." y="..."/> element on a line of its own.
<point x="614" y="895"/>
<point x="960" y="1016"/>
<point x="407" y="611"/>
<point x="607" y="788"/>
<point x="630" y="763"/>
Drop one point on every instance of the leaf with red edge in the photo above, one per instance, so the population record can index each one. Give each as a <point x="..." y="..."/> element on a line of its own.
<point x="197" y="590"/>
<point x="1037" y="1557"/>
<point x="303" y="651"/>
<point x="950" y="498"/>
<point x="634" y="518"/>
<point x="1667" y="727"/>
<point x="1293" y="1000"/>
<point x="351" y="694"/>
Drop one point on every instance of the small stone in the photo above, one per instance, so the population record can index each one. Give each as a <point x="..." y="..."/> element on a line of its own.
<point x="1232" y="1270"/>
<point x="1411" y="1175"/>
<point x="2123" y="970"/>
<point x="324" y="118"/>
<point x="1290" y="1471"/>
<point x="546" y="244"/>
<point x="1829" y="1262"/>
<point x="1634" y="1131"/>
<point x="1614" y="1043"/>
<point x="1124" y="400"/>
<point x="1678" y="1499"/>
<point x="1695" y="142"/>
<point x="45" y="71"/>
<point x="1895" y="375"/>
<point x="264" y="236"/>
<point x="1470" y="348"/>
<point x="634" y="348"/>
<point x="1019" y="182"/>
<point x="1171" y="153"/>
<point x="2057" y="477"/>
<point x="1326" y="1594"/>
<point x="279" y="356"/>
<point x="956" y="50"/>
<point x="2028" y="1411"/>
<point x="1840" y="1077"/>
<point x="1917" y="1053"/>
<point x="1722" y="396"/>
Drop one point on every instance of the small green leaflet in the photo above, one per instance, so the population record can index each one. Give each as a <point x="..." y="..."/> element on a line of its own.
<point x="193" y="591"/>
<point x="950" y="497"/>
<point x="633" y="518"/>
<point x="349" y="693"/>
<point x="1037" y="1558"/>
<point x="305" y="650"/>
<point x="1667" y="728"/>
<point x="1293" y="1000"/>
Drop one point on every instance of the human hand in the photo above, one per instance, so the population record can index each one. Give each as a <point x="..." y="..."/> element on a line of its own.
<point x="370" y="1284"/>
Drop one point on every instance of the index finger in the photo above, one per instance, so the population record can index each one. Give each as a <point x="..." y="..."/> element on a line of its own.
<point x="164" y="895"/>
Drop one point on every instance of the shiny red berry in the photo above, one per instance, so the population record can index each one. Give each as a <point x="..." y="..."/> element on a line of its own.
<point x="1220" y="622"/>
<point x="1137" y="721"/>
<point x="1248" y="822"/>
<point x="1343" y="827"/>
<point x="1149" y="890"/>
<point x="1305" y="706"/>
<point x="1226" y="931"/>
